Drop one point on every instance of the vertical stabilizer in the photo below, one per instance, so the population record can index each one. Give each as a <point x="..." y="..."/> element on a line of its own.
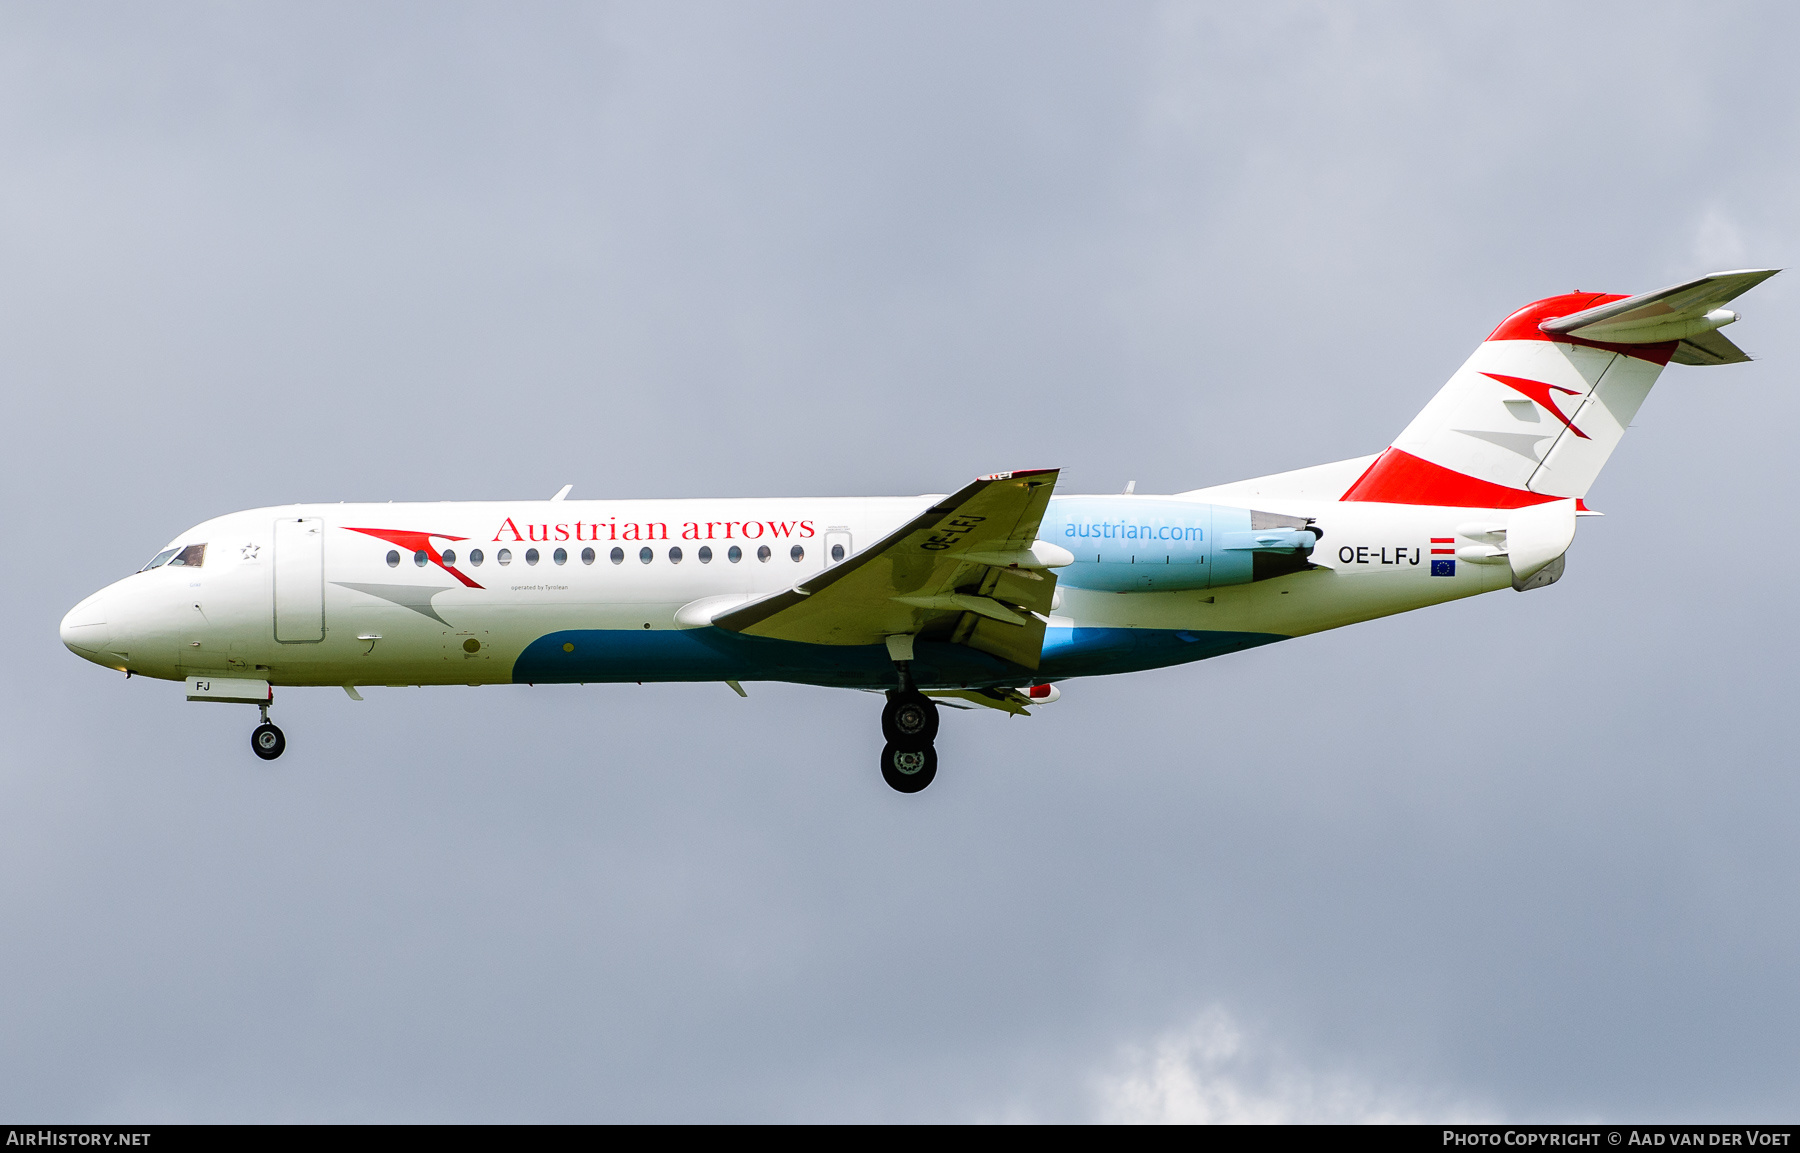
<point x="1536" y="411"/>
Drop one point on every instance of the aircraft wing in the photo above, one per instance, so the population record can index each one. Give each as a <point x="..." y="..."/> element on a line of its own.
<point x="968" y="570"/>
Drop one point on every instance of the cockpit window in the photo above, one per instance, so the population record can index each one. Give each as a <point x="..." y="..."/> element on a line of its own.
<point x="160" y="559"/>
<point x="193" y="556"/>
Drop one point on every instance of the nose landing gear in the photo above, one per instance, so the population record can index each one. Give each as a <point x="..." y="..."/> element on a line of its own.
<point x="267" y="741"/>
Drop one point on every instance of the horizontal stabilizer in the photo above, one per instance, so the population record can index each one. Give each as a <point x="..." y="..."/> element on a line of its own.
<point x="1687" y="312"/>
<point x="1709" y="348"/>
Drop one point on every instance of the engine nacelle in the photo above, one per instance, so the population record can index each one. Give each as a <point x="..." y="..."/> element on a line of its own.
<point x="1136" y="544"/>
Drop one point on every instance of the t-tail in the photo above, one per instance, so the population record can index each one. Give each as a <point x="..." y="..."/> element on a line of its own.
<point x="1534" y="414"/>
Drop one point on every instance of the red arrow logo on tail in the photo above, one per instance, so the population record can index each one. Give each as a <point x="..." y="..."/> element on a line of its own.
<point x="1539" y="391"/>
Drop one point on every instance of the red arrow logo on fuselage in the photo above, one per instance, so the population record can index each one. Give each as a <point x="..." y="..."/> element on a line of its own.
<point x="1539" y="391"/>
<point x="415" y="542"/>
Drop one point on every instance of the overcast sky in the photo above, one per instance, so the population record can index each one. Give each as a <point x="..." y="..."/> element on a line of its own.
<point x="1527" y="857"/>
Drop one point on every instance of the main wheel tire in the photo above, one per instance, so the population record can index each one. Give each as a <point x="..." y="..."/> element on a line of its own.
<point x="908" y="770"/>
<point x="267" y="742"/>
<point x="909" y="721"/>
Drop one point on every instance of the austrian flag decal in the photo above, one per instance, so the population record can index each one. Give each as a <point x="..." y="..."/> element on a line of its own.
<point x="1443" y="560"/>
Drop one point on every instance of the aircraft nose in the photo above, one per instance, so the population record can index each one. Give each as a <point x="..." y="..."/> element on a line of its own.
<point x="85" y="630"/>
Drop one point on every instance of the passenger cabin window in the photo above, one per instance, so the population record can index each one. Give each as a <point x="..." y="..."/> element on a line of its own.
<point x="421" y="557"/>
<point x="837" y="553"/>
<point x="449" y="556"/>
<point x="531" y="556"/>
<point x="393" y="558"/>
<point x="645" y="555"/>
<point x="675" y="555"/>
<point x="560" y="556"/>
<point x="475" y="557"/>
<point x="763" y="554"/>
<point x="504" y="556"/>
<point x="587" y="556"/>
<point x="734" y="554"/>
<point x="618" y="556"/>
<point x="160" y="559"/>
<point x="798" y="553"/>
<point x="193" y="556"/>
<point x="705" y="554"/>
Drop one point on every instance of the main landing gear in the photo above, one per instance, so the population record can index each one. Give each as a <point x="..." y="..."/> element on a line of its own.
<point x="266" y="740"/>
<point x="910" y="724"/>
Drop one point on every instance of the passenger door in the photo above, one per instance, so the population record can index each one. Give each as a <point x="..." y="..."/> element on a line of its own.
<point x="299" y="580"/>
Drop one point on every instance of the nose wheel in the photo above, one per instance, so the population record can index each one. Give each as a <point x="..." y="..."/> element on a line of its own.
<point x="909" y="723"/>
<point x="267" y="741"/>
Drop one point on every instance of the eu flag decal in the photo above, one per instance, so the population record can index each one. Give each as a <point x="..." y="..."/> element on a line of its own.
<point x="1443" y="568"/>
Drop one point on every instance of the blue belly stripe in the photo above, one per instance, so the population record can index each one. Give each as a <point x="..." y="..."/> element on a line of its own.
<point x="1094" y="652"/>
<point x="712" y="654"/>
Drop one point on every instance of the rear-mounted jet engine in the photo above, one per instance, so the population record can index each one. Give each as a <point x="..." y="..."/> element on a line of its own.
<point x="1133" y="544"/>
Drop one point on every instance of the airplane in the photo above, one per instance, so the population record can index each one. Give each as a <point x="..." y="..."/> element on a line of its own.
<point x="990" y="596"/>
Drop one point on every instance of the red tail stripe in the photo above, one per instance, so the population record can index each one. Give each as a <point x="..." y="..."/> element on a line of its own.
<point x="1523" y="325"/>
<point x="1399" y="477"/>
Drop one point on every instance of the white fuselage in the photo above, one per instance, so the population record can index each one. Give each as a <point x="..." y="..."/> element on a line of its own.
<point x="387" y="613"/>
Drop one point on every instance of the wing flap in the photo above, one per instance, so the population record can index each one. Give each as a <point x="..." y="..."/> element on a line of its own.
<point x="979" y="605"/>
<point x="1020" y="644"/>
<point x="1033" y="592"/>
